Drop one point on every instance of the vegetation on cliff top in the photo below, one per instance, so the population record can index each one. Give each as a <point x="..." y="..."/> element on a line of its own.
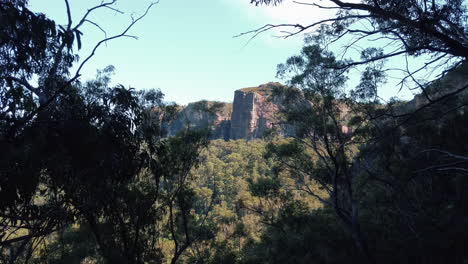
<point x="264" y="89"/>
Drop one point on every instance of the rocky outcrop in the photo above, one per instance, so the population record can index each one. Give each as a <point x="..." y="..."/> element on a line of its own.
<point x="253" y="113"/>
<point x="248" y="117"/>
<point x="204" y="114"/>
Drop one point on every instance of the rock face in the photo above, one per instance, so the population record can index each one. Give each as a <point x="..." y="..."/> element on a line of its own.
<point x="252" y="113"/>
<point x="248" y="117"/>
<point x="194" y="116"/>
<point x="453" y="81"/>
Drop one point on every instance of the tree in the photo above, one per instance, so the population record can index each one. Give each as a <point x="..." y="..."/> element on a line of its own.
<point x="33" y="46"/>
<point x="324" y="148"/>
<point x="84" y="153"/>
<point x="434" y="32"/>
<point x="382" y="176"/>
<point x="343" y="131"/>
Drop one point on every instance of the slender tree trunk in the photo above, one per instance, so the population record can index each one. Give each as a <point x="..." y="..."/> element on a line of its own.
<point x="352" y="224"/>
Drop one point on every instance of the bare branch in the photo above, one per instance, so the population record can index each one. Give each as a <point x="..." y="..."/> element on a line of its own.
<point x="114" y="9"/>
<point x="23" y="82"/>
<point x="456" y="48"/>
<point x="68" y="15"/>
<point x="316" y="5"/>
<point x="300" y="27"/>
<point x="449" y="154"/>
<point x="122" y="34"/>
<point x="83" y="19"/>
<point x="98" y="26"/>
<point x="77" y="74"/>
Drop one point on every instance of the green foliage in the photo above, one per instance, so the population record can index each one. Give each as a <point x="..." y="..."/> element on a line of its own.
<point x="88" y="174"/>
<point x="415" y="188"/>
<point x="265" y="187"/>
<point x="385" y="169"/>
<point x="72" y="245"/>
<point x="84" y="154"/>
<point x="208" y="107"/>
<point x="297" y="236"/>
<point x="315" y="71"/>
<point x="109" y="168"/>
<point x="246" y="193"/>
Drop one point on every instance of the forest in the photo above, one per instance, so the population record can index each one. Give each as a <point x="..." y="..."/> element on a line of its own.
<point x="90" y="174"/>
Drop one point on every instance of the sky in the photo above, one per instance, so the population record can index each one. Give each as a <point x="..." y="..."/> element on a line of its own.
<point x="187" y="48"/>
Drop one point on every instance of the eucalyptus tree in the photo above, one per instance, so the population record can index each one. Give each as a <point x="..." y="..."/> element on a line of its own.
<point x="322" y="152"/>
<point x="85" y="153"/>
<point x="358" y="147"/>
<point x="420" y="40"/>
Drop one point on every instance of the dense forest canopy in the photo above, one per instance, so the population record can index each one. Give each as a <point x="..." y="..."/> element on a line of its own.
<point x="89" y="173"/>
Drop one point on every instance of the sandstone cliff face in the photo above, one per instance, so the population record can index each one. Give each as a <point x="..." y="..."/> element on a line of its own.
<point x="192" y="116"/>
<point x="248" y="117"/>
<point x="252" y="113"/>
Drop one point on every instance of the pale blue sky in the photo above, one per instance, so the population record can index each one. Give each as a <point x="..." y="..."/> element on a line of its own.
<point x="186" y="47"/>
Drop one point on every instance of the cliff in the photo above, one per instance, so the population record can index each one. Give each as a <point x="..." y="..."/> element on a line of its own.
<point x="204" y="115"/>
<point x="249" y="116"/>
<point x="452" y="83"/>
<point x="253" y="113"/>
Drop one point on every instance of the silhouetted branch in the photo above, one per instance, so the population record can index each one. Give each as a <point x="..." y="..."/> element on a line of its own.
<point x="77" y="74"/>
<point x="84" y="18"/>
<point x="122" y="34"/>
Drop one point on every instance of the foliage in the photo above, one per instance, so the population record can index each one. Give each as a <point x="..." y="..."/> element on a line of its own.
<point x="421" y="40"/>
<point x="238" y="194"/>
<point x="380" y="164"/>
<point x="88" y="174"/>
<point x="85" y="154"/>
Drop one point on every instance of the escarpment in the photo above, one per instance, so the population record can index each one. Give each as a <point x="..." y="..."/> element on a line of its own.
<point x="250" y="115"/>
<point x="253" y="113"/>
<point x="204" y="115"/>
